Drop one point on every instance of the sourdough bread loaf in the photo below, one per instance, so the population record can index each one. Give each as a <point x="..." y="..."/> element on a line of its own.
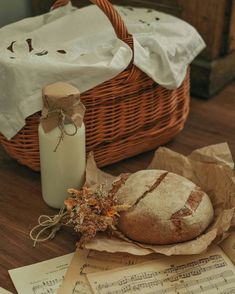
<point x="165" y="208"/>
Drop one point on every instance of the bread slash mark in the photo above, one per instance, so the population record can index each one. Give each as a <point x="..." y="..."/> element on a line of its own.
<point x="153" y="187"/>
<point x="194" y="199"/>
<point x="119" y="183"/>
<point x="190" y="205"/>
<point x="189" y="208"/>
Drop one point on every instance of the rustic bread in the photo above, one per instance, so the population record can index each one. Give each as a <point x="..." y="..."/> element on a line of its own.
<point x="165" y="208"/>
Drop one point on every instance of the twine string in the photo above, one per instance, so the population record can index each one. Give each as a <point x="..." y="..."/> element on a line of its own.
<point x="61" y="124"/>
<point x="47" y="223"/>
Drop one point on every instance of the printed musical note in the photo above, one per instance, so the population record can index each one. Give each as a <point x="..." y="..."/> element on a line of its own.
<point x="85" y="262"/>
<point x="214" y="271"/>
<point x="41" y="278"/>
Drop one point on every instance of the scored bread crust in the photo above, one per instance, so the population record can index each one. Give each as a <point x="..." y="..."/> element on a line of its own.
<point x="165" y="208"/>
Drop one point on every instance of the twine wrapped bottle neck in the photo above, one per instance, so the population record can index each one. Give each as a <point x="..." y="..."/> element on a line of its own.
<point x="63" y="116"/>
<point x="61" y="106"/>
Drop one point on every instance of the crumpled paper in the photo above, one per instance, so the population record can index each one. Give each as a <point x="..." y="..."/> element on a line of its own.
<point x="61" y="104"/>
<point x="211" y="168"/>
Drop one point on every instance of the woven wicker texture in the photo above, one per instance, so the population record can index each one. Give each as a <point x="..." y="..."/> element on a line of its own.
<point x="125" y="116"/>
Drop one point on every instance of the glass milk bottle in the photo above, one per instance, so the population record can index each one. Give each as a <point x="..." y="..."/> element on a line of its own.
<point x="61" y="143"/>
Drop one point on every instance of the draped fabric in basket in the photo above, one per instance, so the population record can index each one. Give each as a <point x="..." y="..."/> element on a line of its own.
<point x="79" y="46"/>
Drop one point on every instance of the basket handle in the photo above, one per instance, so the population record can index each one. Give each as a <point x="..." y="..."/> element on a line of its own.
<point x="120" y="30"/>
<point x="114" y="17"/>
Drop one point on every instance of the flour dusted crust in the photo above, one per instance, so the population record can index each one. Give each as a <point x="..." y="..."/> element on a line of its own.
<point x="165" y="208"/>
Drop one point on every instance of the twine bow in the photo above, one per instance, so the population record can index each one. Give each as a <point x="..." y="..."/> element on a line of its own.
<point x="59" y="111"/>
<point x="61" y="125"/>
<point x="51" y="224"/>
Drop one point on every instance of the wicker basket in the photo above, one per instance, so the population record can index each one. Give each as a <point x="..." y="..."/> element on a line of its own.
<point x="125" y="116"/>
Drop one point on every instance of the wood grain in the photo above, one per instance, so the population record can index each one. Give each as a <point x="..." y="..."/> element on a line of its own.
<point x="209" y="77"/>
<point x="209" y="122"/>
<point x="231" y="40"/>
<point x="208" y="17"/>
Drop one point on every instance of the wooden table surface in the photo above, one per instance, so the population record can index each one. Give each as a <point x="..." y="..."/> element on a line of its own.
<point x="209" y="122"/>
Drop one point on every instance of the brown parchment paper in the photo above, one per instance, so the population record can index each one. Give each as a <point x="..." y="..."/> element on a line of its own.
<point x="211" y="168"/>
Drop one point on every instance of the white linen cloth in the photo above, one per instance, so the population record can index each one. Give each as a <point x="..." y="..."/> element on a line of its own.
<point x="79" y="46"/>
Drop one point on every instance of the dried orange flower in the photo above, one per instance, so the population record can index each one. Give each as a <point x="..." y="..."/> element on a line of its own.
<point x="90" y="211"/>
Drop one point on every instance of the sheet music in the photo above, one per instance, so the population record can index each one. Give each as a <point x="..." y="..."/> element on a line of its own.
<point x="228" y="245"/>
<point x="3" y="291"/>
<point x="88" y="261"/>
<point x="209" y="273"/>
<point x="41" y="278"/>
